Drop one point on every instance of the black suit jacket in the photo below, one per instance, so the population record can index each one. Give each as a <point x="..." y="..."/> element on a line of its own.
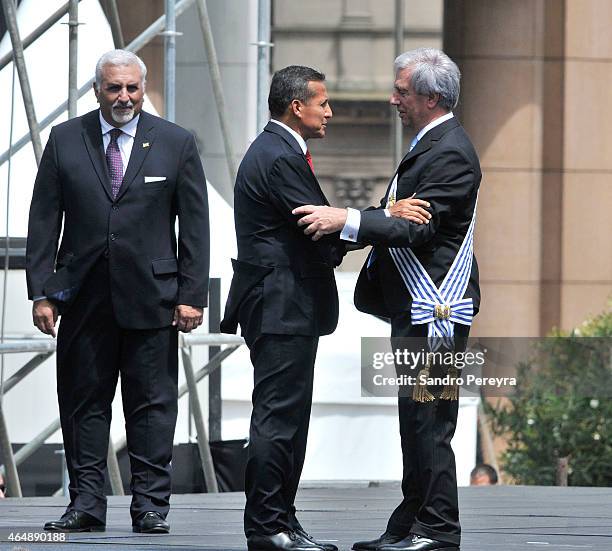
<point x="443" y="168"/>
<point x="149" y="274"/>
<point x="290" y="275"/>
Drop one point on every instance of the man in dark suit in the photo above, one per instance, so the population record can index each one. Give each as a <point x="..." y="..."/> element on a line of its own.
<point x="283" y="295"/>
<point x="118" y="178"/>
<point x="442" y="168"/>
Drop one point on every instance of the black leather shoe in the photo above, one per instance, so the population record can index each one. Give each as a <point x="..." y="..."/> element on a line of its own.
<point x="374" y="545"/>
<point x="284" y="541"/>
<point x="75" y="521"/>
<point x="327" y="546"/>
<point x="151" y="522"/>
<point x="419" y="543"/>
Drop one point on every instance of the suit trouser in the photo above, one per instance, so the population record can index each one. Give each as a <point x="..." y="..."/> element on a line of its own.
<point x="282" y="399"/>
<point x="429" y="483"/>
<point x="91" y="352"/>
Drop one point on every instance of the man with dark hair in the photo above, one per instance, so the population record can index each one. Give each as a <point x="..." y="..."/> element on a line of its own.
<point x="291" y="83"/>
<point x="483" y="474"/>
<point x="118" y="178"/>
<point x="284" y="296"/>
<point x="425" y="279"/>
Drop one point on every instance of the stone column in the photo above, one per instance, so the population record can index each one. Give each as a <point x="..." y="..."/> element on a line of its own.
<point x="511" y="55"/>
<point x="586" y="244"/>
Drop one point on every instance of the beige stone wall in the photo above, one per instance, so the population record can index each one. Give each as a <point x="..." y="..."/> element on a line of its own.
<point x="350" y="40"/>
<point x="587" y="150"/>
<point x="536" y="75"/>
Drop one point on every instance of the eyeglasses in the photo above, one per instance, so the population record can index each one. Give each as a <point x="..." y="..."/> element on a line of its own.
<point x="402" y="93"/>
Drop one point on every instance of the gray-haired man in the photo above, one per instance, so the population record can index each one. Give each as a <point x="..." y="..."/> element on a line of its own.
<point x="118" y="178"/>
<point x="412" y="278"/>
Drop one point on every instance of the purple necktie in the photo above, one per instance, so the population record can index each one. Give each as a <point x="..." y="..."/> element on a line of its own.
<point x="114" y="162"/>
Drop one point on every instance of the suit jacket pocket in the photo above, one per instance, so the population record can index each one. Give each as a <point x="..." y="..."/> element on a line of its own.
<point x="163" y="266"/>
<point x="155" y="186"/>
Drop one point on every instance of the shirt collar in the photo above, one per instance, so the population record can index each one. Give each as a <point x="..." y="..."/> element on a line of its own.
<point x="129" y="128"/>
<point x="299" y="138"/>
<point x="433" y="124"/>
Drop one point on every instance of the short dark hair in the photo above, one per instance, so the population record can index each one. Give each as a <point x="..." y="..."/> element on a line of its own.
<point x="291" y="83"/>
<point x="486" y="470"/>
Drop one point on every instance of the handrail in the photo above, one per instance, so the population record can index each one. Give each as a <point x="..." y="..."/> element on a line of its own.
<point x="45" y="347"/>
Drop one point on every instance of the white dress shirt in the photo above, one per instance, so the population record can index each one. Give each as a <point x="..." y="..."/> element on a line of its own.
<point x="299" y="138"/>
<point x="353" y="219"/>
<point x="125" y="140"/>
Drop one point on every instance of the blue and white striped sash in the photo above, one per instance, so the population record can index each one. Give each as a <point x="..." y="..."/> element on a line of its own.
<point x="440" y="308"/>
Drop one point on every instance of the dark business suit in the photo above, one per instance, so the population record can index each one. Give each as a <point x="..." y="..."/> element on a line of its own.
<point x="284" y="297"/>
<point x="443" y="168"/>
<point x="116" y="278"/>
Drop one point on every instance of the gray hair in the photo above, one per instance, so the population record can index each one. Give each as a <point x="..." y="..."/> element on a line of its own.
<point x="433" y="72"/>
<point x="119" y="58"/>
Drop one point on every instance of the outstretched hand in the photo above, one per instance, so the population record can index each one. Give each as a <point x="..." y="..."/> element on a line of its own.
<point x="320" y="220"/>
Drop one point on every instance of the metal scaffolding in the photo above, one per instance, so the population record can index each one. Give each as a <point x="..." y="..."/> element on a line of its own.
<point x="217" y="86"/>
<point x="170" y="62"/>
<point x="263" y="61"/>
<point x="43" y="348"/>
<point x="10" y="16"/>
<point x="73" y="53"/>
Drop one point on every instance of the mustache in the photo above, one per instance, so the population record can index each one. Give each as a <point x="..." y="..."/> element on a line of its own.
<point x="118" y="103"/>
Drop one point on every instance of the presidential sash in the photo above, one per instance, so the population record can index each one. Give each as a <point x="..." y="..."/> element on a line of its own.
<point x="439" y="307"/>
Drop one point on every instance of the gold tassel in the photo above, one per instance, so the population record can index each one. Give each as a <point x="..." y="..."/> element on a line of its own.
<point x="420" y="393"/>
<point x="451" y="390"/>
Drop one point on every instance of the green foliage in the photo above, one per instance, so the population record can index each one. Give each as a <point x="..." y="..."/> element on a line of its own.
<point x="562" y="408"/>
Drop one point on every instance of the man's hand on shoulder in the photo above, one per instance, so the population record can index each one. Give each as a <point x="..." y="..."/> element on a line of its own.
<point x="411" y="209"/>
<point x="320" y="220"/>
<point x="187" y="318"/>
<point x="44" y="316"/>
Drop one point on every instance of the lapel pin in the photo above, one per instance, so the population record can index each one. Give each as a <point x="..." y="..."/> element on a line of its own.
<point x="146" y="144"/>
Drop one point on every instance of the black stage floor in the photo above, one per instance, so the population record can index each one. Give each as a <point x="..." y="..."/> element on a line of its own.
<point x="504" y="518"/>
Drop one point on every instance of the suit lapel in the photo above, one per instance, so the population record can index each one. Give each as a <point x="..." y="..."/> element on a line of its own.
<point x="316" y="183"/>
<point x="280" y="131"/>
<point x="423" y="145"/>
<point x="429" y="140"/>
<point x="143" y="142"/>
<point x="92" y="135"/>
